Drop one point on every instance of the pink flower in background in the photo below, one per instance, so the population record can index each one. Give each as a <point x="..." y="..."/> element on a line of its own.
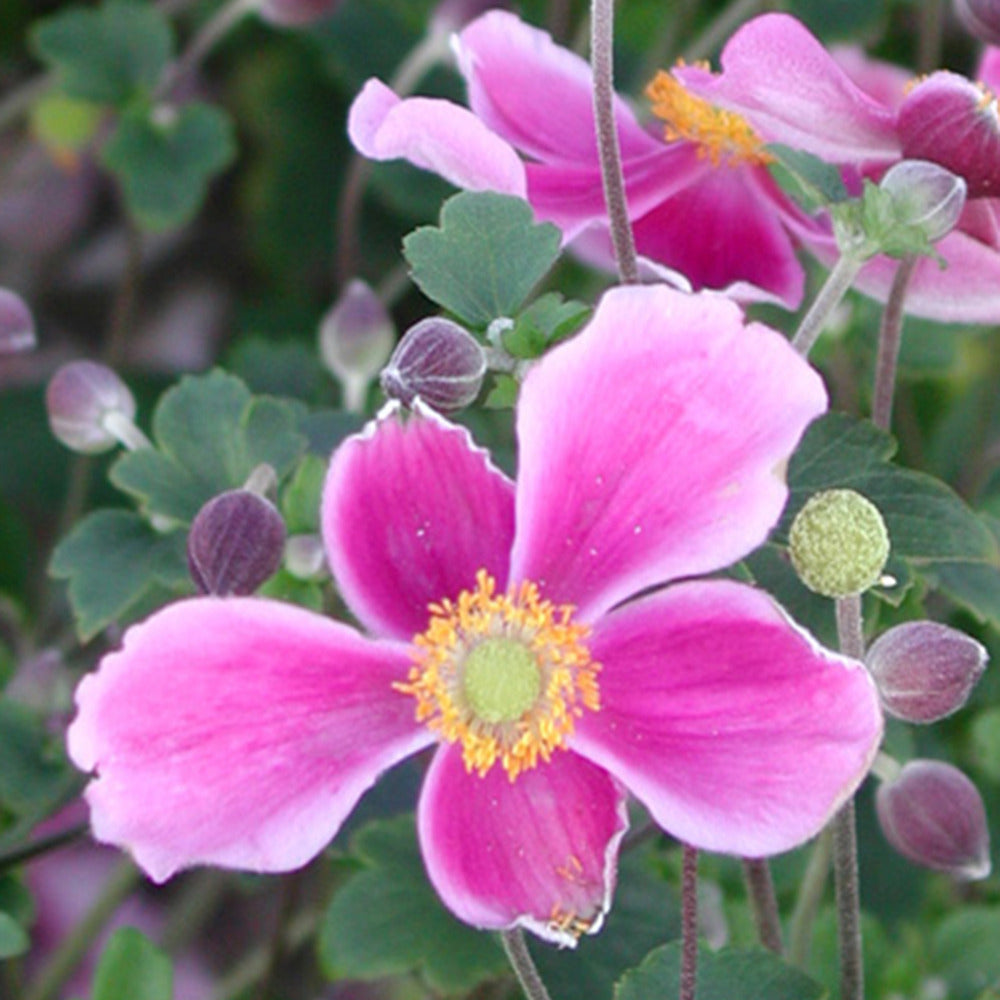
<point x="702" y="204"/>
<point x="241" y="732"/>
<point x="859" y="114"/>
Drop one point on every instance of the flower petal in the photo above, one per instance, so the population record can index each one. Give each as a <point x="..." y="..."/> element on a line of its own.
<point x="536" y="94"/>
<point x="434" y="135"/>
<point x="793" y="91"/>
<point x="652" y="446"/>
<point x="522" y="853"/>
<point x="412" y="509"/>
<point x="237" y="732"/>
<point x="737" y="732"/>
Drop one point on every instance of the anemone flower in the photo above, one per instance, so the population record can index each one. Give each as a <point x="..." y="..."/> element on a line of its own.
<point x="700" y="198"/>
<point x="520" y="631"/>
<point x="865" y="116"/>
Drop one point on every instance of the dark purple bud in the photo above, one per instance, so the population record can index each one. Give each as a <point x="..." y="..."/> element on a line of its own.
<point x="90" y="408"/>
<point x="925" y="195"/>
<point x="297" y="12"/>
<point x="236" y="542"/>
<point x="925" y="670"/>
<point x="17" y="325"/>
<point x="453" y="15"/>
<point x="438" y="361"/>
<point x="981" y="18"/>
<point x="933" y="814"/>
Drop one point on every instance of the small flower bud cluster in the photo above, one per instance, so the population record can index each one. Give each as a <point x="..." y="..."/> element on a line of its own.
<point x="91" y="409"/>
<point x="17" y="326"/>
<point x="438" y="361"/>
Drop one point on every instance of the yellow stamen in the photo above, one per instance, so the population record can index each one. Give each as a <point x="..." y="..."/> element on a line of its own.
<point x="720" y="135"/>
<point x="567" y="922"/>
<point x="568" y="677"/>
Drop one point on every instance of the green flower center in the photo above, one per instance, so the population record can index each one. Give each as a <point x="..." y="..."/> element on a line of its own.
<point x="501" y="680"/>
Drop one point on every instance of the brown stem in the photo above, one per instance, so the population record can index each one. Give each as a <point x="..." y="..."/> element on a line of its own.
<point x="760" y="889"/>
<point x="523" y="965"/>
<point x="889" y="341"/>
<point x="689" y="924"/>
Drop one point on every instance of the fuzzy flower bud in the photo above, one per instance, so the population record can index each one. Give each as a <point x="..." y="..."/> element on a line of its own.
<point x="305" y="557"/>
<point x="355" y="338"/>
<point x="90" y="408"/>
<point x="297" y="12"/>
<point x="925" y="196"/>
<point x="933" y="814"/>
<point x="17" y="326"/>
<point x="925" y="670"/>
<point x="981" y="19"/>
<point x="438" y="361"/>
<point x="838" y="543"/>
<point x="236" y="542"/>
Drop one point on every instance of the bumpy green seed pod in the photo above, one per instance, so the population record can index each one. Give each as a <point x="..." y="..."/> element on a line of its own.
<point x="839" y="543"/>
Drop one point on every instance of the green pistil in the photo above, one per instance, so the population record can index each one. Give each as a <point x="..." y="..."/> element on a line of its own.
<point x="501" y="680"/>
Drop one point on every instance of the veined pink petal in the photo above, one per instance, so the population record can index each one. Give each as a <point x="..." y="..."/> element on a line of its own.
<point x="792" y="91"/>
<point x="733" y="728"/>
<point x="536" y="94"/>
<point x="523" y="853"/>
<point x="237" y="732"/>
<point x="411" y="511"/>
<point x="652" y="446"/>
<point x="989" y="68"/>
<point x="434" y="135"/>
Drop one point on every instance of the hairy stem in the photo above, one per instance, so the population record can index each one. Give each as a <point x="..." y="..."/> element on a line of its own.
<point x="760" y="889"/>
<point x="689" y="924"/>
<point x="523" y="965"/>
<point x="602" y="63"/>
<point x="837" y="283"/>
<point x="889" y="341"/>
<point x="811" y="890"/>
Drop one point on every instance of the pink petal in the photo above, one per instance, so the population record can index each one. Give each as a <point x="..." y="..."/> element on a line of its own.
<point x="412" y="509"/>
<point x="537" y="95"/>
<point x="504" y="854"/>
<point x="989" y="68"/>
<point x="792" y="91"/>
<point x="736" y="731"/>
<point x="434" y="135"/>
<point x="884" y="82"/>
<point x="226" y="732"/>
<point x="652" y="446"/>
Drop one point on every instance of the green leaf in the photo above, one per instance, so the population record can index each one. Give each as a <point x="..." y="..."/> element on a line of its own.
<point x="133" y="968"/>
<point x="210" y="434"/>
<point x="724" y="975"/>
<point x="35" y="770"/>
<point x="388" y="920"/>
<point x="64" y="124"/>
<point x="107" y="55"/>
<point x="13" y="937"/>
<point x="114" y="561"/>
<point x="965" y="952"/>
<point x="485" y="259"/>
<point x="503" y="395"/>
<point x="545" y="322"/>
<point x="300" y="501"/>
<point x="164" y="158"/>
<point x="812" y="182"/>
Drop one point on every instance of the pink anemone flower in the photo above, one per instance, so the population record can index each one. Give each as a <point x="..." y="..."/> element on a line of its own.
<point x="865" y="116"/>
<point x="515" y="629"/>
<point x="702" y="204"/>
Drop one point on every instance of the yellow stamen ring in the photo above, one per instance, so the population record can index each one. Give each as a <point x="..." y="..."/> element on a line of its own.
<point x="518" y="631"/>
<point x="719" y="134"/>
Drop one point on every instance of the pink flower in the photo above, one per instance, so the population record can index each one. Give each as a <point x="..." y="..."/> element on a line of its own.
<point x="859" y="115"/>
<point x="703" y="205"/>
<point x="241" y="732"/>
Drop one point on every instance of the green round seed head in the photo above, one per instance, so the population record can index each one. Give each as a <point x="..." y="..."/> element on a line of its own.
<point x="501" y="680"/>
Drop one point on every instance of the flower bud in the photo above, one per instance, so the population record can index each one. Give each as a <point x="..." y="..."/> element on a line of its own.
<point x="89" y="406"/>
<point x="305" y="557"/>
<point x="925" y="670"/>
<point x="297" y="12"/>
<point x="933" y="814"/>
<point x="17" y="326"/>
<point x="981" y="19"/>
<point x="355" y="338"/>
<point x="926" y="196"/>
<point x="438" y="361"/>
<point x="235" y="543"/>
<point x="838" y="543"/>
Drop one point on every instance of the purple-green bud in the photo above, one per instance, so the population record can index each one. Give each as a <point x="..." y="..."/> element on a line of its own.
<point x="925" y="670"/>
<point x="438" y="361"/>
<point x="236" y="542"/>
<point x="355" y="338"/>
<point x="925" y="196"/>
<point x="981" y="19"/>
<point x="297" y="12"/>
<point x="933" y="814"/>
<point x="89" y="407"/>
<point x="17" y="325"/>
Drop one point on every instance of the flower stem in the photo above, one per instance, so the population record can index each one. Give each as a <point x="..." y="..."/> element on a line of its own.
<point x="837" y="282"/>
<point x="760" y="888"/>
<point x="25" y="852"/>
<point x="602" y="63"/>
<point x="845" y="839"/>
<point x="810" y="896"/>
<point x="890" y="338"/>
<point x="523" y="965"/>
<point x="689" y="923"/>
